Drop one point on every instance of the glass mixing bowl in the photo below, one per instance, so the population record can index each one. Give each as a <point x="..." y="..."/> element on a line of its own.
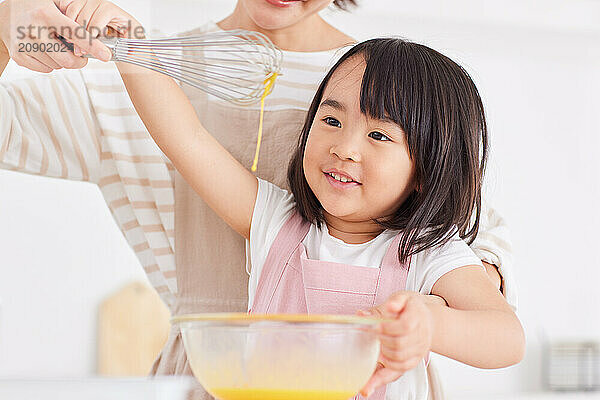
<point x="280" y="357"/>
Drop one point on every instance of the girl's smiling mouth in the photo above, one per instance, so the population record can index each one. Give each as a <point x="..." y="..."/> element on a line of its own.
<point x="340" y="179"/>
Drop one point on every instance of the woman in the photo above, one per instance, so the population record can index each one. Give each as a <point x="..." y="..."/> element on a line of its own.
<point x="100" y="139"/>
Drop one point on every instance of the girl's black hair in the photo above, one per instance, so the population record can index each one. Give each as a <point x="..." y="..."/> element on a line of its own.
<point x="436" y="103"/>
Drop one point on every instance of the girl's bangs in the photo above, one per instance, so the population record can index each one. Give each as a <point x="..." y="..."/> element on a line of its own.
<point x="381" y="94"/>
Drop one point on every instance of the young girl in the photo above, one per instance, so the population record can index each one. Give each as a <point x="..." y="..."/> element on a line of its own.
<point x="384" y="181"/>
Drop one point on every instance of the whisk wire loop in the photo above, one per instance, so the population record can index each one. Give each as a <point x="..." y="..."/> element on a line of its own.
<point x="232" y="65"/>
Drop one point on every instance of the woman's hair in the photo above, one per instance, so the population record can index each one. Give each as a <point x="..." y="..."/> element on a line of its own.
<point x="437" y="105"/>
<point x="343" y="4"/>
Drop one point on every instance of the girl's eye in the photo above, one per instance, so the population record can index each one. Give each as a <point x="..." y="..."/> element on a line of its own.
<point x="378" y="136"/>
<point x="332" y="121"/>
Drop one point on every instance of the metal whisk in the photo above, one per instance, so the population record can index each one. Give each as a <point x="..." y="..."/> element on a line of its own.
<point x="237" y="66"/>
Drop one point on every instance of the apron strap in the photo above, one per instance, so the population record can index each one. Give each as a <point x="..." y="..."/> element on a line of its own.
<point x="393" y="273"/>
<point x="288" y="239"/>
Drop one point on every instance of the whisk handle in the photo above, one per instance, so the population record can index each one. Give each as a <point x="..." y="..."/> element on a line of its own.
<point x="111" y="43"/>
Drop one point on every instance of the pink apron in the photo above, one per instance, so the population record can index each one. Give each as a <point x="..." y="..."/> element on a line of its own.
<point x="292" y="283"/>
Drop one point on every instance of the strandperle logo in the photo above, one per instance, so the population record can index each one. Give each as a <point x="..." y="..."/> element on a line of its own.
<point x="50" y="32"/>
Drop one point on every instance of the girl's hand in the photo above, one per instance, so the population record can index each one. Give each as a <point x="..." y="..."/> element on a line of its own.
<point x="405" y="340"/>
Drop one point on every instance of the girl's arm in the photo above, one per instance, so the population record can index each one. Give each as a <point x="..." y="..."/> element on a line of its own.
<point x="477" y="327"/>
<point x="226" y="186"/>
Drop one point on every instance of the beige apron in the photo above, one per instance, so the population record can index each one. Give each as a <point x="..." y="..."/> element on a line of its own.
<point x="210" y="256"/>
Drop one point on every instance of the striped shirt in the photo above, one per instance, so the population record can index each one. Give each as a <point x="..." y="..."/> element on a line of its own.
<point x="81" y="125"/>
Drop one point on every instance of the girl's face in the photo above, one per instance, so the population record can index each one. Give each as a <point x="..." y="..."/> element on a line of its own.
<point x="359" y="168"/>
<point x="279" y="14"/>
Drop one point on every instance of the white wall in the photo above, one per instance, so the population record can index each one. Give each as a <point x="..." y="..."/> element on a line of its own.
<point x="536" y="64"/>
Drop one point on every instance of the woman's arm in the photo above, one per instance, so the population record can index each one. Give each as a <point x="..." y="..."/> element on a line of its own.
<point x="493" y="275"/>
<point x="48" y="127"/>
<point x="226" y="186"/>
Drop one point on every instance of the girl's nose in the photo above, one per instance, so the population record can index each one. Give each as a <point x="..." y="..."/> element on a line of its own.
<point x="346" y="149"/>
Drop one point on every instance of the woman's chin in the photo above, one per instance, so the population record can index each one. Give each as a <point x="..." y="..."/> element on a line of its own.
<point x="271" y="18"/>
<point x="273" y="23"/>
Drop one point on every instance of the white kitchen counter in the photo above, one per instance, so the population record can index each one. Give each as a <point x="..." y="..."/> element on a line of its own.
<point x="537" y="396"/>
<point x="95" y="388"/>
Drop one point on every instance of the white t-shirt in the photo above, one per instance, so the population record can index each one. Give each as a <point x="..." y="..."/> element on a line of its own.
<point x="275" y="205"/>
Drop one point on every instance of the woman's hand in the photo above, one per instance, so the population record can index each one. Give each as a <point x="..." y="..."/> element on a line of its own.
<point x="98" y="16"/>
<point x="405" y="339"/>
<point x="494" y="275"/>
<point x="29" y="30"/>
